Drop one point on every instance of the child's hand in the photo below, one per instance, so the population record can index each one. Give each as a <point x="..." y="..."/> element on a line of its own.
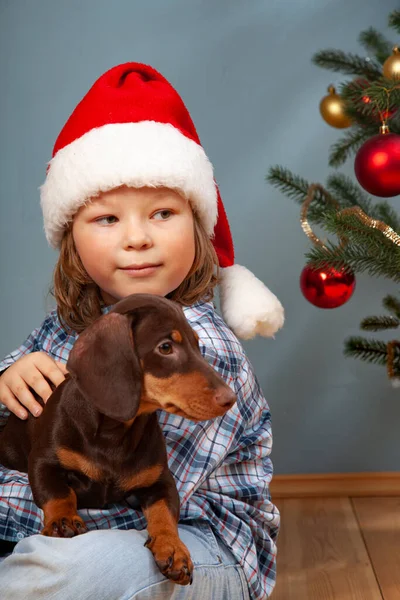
<point x="30" y="371"/>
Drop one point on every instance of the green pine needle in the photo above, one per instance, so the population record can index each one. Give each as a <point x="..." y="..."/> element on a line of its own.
<point x="394" y="20"/>
<point x="296" y="187"/>
<point x="384" y="212"/>
<point x="373" y="41"/>
<point x="368" y="256"/>
<point x="379" y="323"/>
<point x="392" y="305"/>
<point x="372" y="351"/>
<point x="350" y="226"/>
<point x="348" y="192"/>
<point x="382" y="95"/>
<point x="359" y="116"/>
<point x="347" y="63"/>
<point x="292" y="185"/>
<point x="349" y="144"/>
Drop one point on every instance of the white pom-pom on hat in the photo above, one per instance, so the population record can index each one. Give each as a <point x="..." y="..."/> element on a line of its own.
<point x="247" y="305"/>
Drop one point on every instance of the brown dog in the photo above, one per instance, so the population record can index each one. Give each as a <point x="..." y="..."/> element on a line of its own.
<point x="98" y="439"/>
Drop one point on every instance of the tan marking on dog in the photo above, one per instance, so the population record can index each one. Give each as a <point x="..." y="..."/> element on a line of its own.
<point x="146" y="407"/>
<point x="76" y="461"/>
<point x="183" y="394"/>
<point x="164" y="542"/>
<point x="168" y="390"/>
<point x="160" y="520"/>
<point x="144" y="478"/>
<point x="60" y="507"/>
<point x="177" y="336"/>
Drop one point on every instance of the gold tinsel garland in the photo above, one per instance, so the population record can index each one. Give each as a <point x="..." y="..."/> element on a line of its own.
<point x="387" y="231"/>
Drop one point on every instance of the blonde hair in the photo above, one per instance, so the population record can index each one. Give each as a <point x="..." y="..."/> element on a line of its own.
<point x="79" y="299"/>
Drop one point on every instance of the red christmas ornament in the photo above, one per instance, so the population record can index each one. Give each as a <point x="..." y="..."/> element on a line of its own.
<point x="327" y="287"/>
<point x="377" y="164"/>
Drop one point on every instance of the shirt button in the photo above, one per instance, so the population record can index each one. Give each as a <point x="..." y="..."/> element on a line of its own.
<point x="20" y="535"/>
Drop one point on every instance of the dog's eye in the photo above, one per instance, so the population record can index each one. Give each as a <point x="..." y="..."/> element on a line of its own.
<point x="165" y="348"/>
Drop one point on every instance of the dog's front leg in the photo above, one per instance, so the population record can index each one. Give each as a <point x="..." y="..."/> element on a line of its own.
<point x="53" y="495"/>
<point x="160" y="505"/>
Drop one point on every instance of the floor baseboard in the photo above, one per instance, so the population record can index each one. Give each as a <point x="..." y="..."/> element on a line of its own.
<point x="336" y="484"/>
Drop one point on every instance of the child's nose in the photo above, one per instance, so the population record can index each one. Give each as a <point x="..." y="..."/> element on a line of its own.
<point x="137" y="237"/>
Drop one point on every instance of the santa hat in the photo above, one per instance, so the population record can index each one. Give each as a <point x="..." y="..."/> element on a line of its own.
<point x="132" y="128"/>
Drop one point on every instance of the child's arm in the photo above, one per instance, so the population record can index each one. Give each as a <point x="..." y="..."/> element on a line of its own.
<point x="237" y="494"/>
<point x="223" y="470"/>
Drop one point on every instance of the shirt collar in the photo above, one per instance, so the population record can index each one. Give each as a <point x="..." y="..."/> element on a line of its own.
<point x="106" y="309"/>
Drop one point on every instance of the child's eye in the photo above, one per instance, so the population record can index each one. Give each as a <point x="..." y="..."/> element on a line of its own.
<point x="162" y="215"/>
<point x="107" y="220"/>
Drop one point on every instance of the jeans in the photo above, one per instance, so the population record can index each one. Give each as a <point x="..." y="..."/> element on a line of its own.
<point x="115" y="565"/>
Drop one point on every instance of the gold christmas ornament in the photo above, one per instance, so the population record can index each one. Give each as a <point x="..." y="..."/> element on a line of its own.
<point x="332" y="110"/>
<point x="391" y="66"/>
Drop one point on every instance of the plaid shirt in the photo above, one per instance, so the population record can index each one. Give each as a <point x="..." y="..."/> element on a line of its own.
<point x="222" y="467"/>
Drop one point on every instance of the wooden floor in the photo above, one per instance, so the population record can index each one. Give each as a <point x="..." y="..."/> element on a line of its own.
<point x="338" y="549"/>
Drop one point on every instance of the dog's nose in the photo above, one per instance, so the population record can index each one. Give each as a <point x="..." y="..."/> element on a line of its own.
<point x="225" y="397"/>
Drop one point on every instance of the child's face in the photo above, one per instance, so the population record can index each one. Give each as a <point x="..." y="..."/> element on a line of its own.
<point x="128" y="227"/>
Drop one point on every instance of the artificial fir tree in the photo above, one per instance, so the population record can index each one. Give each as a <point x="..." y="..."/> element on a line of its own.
<point x="369" y="228"/>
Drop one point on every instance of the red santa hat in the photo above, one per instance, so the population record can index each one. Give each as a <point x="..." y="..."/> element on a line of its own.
<point x="132" y="128"/>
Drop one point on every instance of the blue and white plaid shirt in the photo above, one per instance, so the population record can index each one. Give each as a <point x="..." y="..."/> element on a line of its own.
<point x="222" y="467"/>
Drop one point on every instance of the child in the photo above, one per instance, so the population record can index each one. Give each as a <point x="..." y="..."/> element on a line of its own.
<point x="130" y="201"/>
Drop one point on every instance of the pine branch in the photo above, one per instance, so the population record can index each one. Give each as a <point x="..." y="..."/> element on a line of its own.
<point x="394" y="20"/>
<point x="392" y="305"/>
<point x="348" y="193"/>
<point x="384" y="212"/>
<point x="368" y="350"/>
<point x="357" y="257"/>
<point x="384" y="94"/>
<point x="379" y="323"/>
<point x="368" y="103"/>
<point x="351" y="227"/>
<point x="296" y="187"/>
<point x="359" y="116"/>
<point x="344" y="191"/>
<point x="349" y="144"/>
<point x="349" y="64"/>
<point x="292" y="185"/>
<point x="373" y="41"/>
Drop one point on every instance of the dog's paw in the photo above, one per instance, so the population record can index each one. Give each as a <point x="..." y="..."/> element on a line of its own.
<point x="65" y="527"/>
<point x="172" y="558"/>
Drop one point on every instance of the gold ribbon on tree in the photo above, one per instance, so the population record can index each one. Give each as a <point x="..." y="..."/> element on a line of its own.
<point x="387" y="231"/>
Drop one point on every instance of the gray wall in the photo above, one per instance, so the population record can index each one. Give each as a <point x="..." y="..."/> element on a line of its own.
<point x="244" y="70"/>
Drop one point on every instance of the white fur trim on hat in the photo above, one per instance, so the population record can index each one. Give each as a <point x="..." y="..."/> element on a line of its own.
<point x="133" y="154"/>
<point x="247" y="305"/>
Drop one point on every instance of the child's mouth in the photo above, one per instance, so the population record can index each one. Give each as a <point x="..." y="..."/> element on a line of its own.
<point x="141" y="270"/>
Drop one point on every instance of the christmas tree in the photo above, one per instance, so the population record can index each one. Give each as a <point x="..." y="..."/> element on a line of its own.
<point x="367" y="231"/>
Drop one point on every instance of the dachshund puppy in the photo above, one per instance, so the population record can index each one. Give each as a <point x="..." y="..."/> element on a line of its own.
<point x="98" y="440"/>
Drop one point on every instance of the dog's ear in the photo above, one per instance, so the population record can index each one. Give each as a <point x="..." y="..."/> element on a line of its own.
<point x="104" y="364"/>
